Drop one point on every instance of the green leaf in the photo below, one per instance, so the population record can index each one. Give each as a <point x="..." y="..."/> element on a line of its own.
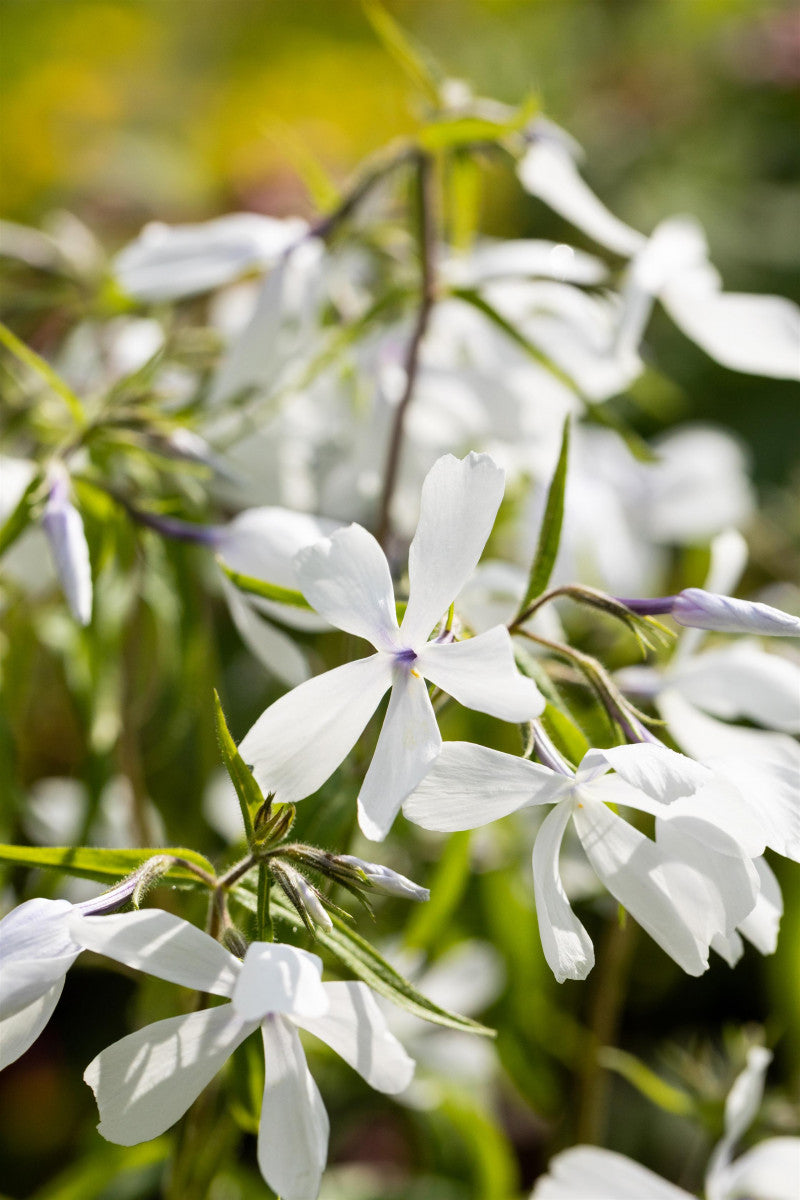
<point x="43" y="369"/>
<point x="485" y="1145"/>
<point x="267" y="591"/>
<point x="464" y="198"/>
<point x="447" y="887"/>
<point x="671" y="1099"/>
<point x="247" y="790"/>
<point x="356" y="953"/>
<point x="565" y="733"/>
<point x="550" y="532"/>
<point x="406" y="55"/>
<point x="18" y="520"/>
<point x="456" y="132"/>
<point x="474" y="298"/>
<point x="104" y="866"/>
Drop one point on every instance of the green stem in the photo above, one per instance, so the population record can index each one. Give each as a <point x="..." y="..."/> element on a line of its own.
<point x="605" y="1015"/>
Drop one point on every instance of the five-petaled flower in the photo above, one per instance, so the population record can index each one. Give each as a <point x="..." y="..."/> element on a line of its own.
<point x="145" y="1082"/>
<point x="690" y="887"/>
<point x="301" y="739"/>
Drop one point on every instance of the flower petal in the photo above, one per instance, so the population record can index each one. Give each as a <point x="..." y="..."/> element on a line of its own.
<point x="762" y="924"/>
<point x="36" y="951"/>
<point x="301" y="739"/>
<point x="356" y="1029"/>
<point x="566" y="944"/>
<point x="168" y="262"/>
<point x="769" y="790"/>
<point x="279" y="979"/>
<point x="590" y="1173"/>
<point x="293" y="1133"/>
<point x="660" y="773"/>
<point x="459" y="502"/>
<point x="480" y="673"/>
<point x="742" y="1104"/>
<point x="743" y="681"/>
<point x="409" y="742"/>
<point x="160" y="944"/>
<point x="20" y="1030"/>
<point x="756" y="334"/>
<point x="470" y="785"/>
<point x="145" y="1082"/>
<point x="347" y="580"/>
<point x="548" y="171"/>
<point x="769" y="1171"/>
<point x="632" y="868"/>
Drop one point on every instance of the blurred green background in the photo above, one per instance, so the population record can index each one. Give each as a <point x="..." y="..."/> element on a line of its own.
<point x="123" y="111"/>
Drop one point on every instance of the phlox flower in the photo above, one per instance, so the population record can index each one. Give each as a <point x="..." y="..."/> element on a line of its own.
<point x="300" y="740"/>
<point x="691" y="885"/>
<point x="145" y="1082"/>
<point x="768" y="1171"/>
<point x="37" y="948"/>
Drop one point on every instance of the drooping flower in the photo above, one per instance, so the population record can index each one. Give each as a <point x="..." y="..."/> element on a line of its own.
<point x="145" y="1082"/>
<point x="692" y="884"/>
<point x="300" y="740"/>
<point x="770" y="1170"/>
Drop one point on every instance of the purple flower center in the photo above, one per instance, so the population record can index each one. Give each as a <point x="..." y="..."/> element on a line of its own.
<point x="406" y="656"/>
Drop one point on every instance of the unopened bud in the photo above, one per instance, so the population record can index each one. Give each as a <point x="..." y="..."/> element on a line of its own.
<point x="303" y="895"/>
<point x="706" y="610"/>
<point x="235" y="941"/>
<point x="270" y="827"/>
<point x="63" y="527"/>
<point x="383" y="879"/>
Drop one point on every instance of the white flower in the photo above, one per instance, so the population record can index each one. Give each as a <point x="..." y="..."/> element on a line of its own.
<point x="36" y="951"/>
<point x="768" y="1171"/>
<point x="693" y="884"/>
<point x="63" y="528"/>
<point x="297" y="743"/>
<point x="169" y="262"/>
<point x="146" y="1081"/>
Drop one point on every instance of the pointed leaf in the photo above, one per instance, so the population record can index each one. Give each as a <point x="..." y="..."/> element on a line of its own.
<point x="87" y="862"/>
<point x="247" y="790"/>
<point x="550" y="532"/>
<point x="43" y="369"/>
<point x="267" y="591"/>
<point x="407" y="56"/>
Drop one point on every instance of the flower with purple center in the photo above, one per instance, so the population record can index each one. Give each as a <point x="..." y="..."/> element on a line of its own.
<point x="301" y="739"/>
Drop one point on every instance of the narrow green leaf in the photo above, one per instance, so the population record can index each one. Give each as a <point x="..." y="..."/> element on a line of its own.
<point x="447" y="888"/>
<point x="397" y="43"/>
<point x="102" y="865"/>
<point x="43" y="369"/>
<point x="18" y="520"/>
<point x="267" y="591"/>
<point x="247" y="790"/>
<point x="550" y="532"/>
<point x="464" y="198"/>
<point x="473" y="297"/>
<point x="356" y="953"/>
<point x="667" y="1097"/>
<point x="456" y="132"/>
<point x="565" y="733"/>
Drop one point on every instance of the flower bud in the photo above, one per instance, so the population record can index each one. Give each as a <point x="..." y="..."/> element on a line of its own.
<point x="235" y="941"/>
<point x="302" y="895"/>
<point x="706" y="610"/>
<point x="383" y="879"/>
<point x="63" y="528"/>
